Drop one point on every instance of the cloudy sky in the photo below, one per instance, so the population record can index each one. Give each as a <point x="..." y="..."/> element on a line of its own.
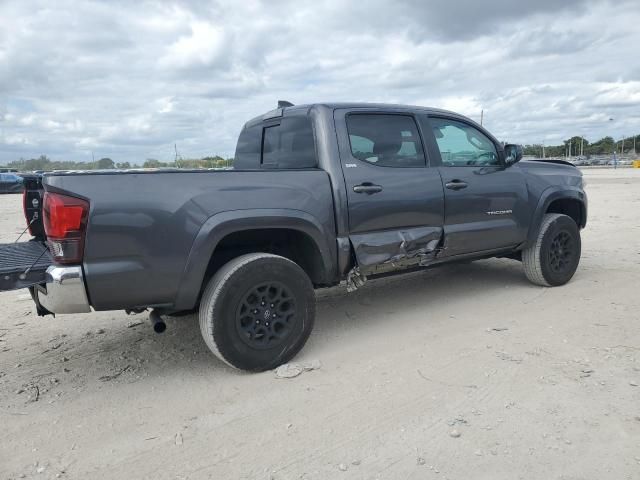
<point x="127" y="79"/>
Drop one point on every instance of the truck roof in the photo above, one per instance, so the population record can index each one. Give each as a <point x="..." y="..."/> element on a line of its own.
<point x="335" y="105"/>
<point x="381" y="106"/>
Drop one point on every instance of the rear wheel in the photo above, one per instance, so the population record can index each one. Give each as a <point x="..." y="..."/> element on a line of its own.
<point x="554" y="257"/>
<point x="257" y="311"/>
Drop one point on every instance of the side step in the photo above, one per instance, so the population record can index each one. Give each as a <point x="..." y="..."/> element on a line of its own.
<point x="23" y="264"/>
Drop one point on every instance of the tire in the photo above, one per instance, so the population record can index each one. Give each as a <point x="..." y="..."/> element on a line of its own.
<point x="238" y="307"/>
<point x="554" y="257"/>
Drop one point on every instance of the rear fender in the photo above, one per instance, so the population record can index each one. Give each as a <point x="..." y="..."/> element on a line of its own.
<point x="222" y="224"/>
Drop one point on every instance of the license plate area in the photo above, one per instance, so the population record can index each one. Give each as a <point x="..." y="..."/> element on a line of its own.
<point x="23" y="264"/>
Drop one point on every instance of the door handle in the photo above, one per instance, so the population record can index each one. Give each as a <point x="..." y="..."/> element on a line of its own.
<point x="368" y="188"/>
<point x="456" y="185"/>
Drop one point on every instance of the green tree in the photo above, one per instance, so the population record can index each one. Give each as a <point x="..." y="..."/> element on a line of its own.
<point x="603" y="146"/>
<point x="534" y="150"/>
<point x="105" y="163"/>
<point x="153" y="163"/>
<point x="573" y="145"/>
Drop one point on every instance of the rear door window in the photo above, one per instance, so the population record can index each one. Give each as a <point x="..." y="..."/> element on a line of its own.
<point x="248" y="149"/>
<point x="385" y="140"/>
<point x="288" y="144"/>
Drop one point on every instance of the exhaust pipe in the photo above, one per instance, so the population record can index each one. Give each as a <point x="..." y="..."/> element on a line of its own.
<point x="157" y="322"/>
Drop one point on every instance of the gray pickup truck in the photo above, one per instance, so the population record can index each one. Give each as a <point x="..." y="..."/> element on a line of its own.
<point x="318" y="195"/>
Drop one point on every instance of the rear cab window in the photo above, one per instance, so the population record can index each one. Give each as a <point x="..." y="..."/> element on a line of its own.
<point x="287" y="143"/>
<point x="385" y="140"/>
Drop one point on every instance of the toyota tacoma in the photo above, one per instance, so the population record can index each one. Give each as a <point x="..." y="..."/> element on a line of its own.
<point x="318" y="195"/>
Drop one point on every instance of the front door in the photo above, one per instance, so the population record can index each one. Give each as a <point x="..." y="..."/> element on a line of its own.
<point x="485" y="203"/>
<point x="396" y="202"/>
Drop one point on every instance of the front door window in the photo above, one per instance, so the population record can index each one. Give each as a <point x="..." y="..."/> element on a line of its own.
<point x="462" y="145"/>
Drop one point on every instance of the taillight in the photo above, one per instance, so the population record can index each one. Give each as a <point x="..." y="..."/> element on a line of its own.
<point x="65" y="221"/>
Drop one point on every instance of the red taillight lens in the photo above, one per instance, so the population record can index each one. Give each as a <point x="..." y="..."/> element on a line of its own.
<point x="65" y="219"/>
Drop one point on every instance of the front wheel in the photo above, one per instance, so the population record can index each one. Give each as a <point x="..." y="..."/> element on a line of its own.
<point x="257" y="311"/>
<point x="553" y="258"/>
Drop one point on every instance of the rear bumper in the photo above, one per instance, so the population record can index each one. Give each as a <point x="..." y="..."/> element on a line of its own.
<point x="63" y="290"/>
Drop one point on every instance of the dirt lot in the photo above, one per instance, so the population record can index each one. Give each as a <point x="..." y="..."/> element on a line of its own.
<point x="463" y="372"/>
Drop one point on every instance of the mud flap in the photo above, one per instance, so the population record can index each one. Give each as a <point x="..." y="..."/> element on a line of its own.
<point x="23" y="264"/>
<point x="393" y="246"/>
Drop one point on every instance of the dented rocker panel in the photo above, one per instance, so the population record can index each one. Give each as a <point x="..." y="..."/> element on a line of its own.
<point x="392" y="246"/>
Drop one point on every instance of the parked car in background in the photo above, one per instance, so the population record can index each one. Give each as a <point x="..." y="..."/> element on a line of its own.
<point x="10" y="183"/>
<point x="579" y="161"/>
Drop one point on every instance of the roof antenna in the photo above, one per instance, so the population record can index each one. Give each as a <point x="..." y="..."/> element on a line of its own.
<point x="284" y="104"/>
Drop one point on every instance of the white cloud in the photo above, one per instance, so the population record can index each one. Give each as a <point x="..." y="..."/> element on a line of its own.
<point x="202" y="47"/>
<point x="165" y="105"/>
<point x="130" y="79"/>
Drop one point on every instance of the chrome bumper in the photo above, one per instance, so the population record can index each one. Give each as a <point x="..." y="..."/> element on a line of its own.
<point x="64" y="290"/>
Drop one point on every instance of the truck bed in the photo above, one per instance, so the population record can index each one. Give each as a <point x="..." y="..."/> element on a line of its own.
<point x="148" y="232"/>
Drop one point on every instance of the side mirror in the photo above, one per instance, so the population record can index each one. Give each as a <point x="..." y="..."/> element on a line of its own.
<point x="512" y="153"/>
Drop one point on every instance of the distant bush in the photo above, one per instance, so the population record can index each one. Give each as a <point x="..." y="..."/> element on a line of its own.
<point x="46" y="164"/>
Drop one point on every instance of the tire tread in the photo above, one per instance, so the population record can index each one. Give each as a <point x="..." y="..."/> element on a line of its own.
<point x="531" y="257"/>
<point x="215" y="288"/>
<point x="212" y="292"/>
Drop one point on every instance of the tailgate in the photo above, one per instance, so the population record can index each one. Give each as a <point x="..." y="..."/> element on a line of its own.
<point x="23" y="264"/>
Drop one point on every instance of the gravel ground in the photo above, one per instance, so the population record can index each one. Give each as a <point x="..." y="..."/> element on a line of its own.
<point x="462" y="372"/>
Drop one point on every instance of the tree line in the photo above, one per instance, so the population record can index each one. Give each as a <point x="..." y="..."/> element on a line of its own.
<point x="46" y="164"/>
<point x="574" y="146"/>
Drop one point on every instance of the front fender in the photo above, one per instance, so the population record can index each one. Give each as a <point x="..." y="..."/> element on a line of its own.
<point x="548" y="196"/>
<point x="224" y="223"/>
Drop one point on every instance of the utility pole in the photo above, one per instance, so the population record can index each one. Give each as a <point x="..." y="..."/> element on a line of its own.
<point x="543" y="150"/>
<point x="622" y="146"/>
<point x="581" y="146"/>
<point x="481" y="116"/>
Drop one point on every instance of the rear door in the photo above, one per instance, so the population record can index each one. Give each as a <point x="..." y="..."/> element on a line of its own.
<point x="395" y="201"/>
<point x="485" y="203"/>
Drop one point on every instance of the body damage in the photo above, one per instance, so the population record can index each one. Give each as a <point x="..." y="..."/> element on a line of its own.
<point x="396" y="245"/>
